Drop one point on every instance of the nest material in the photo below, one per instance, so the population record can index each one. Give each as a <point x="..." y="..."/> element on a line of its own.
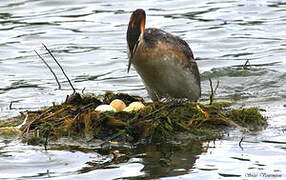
<point x="76" y="118"/>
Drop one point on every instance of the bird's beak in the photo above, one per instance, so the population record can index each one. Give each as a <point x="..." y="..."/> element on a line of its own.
<point x="129" y="65"/>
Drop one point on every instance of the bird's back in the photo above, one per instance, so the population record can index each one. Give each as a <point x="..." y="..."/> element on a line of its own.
<point x="154" y="37"/>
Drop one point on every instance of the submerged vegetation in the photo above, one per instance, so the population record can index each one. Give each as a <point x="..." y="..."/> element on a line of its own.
<point x="77" y="118"/>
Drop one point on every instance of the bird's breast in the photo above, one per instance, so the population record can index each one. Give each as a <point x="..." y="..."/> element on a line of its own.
<point x="164" y="71"/>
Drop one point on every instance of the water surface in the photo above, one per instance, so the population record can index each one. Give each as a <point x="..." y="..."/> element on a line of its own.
<point x="88" y="38"/>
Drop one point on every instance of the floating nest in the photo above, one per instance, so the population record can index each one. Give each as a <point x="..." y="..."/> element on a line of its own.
<point x="77" y="118"/>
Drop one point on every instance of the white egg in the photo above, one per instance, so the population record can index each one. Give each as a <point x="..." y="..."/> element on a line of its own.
<point x="104" y="108"/>
<point x="135" y="106"/>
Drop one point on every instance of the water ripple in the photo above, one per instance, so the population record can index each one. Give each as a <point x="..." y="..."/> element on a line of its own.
<point x="89" y="39"/>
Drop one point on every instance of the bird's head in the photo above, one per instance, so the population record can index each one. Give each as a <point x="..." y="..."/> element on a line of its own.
<point x="135" y="28"/>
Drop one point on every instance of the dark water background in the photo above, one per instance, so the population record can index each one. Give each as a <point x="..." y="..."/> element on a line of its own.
<point x="88" y="38"/>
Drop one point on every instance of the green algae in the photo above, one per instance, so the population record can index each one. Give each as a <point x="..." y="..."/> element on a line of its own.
<point x="76" y="118"/>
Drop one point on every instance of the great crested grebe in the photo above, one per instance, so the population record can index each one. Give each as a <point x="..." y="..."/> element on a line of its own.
<point x="165" y="62"/>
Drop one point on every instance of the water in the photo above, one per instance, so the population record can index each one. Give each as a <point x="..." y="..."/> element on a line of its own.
<point x="88" y="38"/>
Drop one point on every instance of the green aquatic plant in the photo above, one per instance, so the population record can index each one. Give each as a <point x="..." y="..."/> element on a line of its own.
<point x="77" y="118"/>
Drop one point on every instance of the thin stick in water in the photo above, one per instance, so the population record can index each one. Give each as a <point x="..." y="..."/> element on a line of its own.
<point x="213" y="90"/>
<point x="74" y="91"/>
<point x="239" y="144"/>
<point x="216" y="87"/>
<point x="56" y="78"/>
<point x="246" y="64"/>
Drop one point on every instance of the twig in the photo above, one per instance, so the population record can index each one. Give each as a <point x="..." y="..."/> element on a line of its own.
<point x="10" y="105"/>
<point x="46" y="142"/>
<point x="82" y="91"/>
<point x="48" y="173"/>
<point x="239" y="144"/>
<point x="24" y="122"/>
<point x="216" y="87"/>
<point x="56" y="78"/>
<point x="257" y="65"/>
<point x="213" y="90"/>
<point x="26" y="126"/>
<point x="246" y="64"/>
<point x="63" y="118"/>
<point x="74" y="91"/>
<point x="53" y="114"/>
